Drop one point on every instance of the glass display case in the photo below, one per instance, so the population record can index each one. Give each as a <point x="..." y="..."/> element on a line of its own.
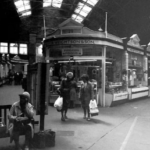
<point x="115" y="92"/>
<point x="114" y="87"/>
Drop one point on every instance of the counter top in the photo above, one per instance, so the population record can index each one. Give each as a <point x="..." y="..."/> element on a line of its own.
<point x="136" y="89"/>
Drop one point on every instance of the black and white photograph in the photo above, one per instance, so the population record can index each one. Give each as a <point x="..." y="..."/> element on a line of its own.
<point x="74" y="74"/>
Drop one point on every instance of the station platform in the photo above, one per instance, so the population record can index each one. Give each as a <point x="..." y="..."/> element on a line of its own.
<point x="122" y="127"/>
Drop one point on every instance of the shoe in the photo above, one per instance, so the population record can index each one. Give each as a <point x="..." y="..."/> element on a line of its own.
<point x="88" y="119"/>
<point x="26" y="148"/>
<point x="66" y="117"/>
<point x="63" y="119"/>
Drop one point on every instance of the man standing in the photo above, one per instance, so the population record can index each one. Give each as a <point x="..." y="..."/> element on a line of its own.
<point x="20" y="120"/>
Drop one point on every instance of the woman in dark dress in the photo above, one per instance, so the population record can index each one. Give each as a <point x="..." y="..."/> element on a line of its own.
<point x="86" y="95"/>
<point x="64" y="91"/>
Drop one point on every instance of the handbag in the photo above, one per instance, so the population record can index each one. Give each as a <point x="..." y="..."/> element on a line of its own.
<point x="93" y="108"/>
<point x="58" y="103"/>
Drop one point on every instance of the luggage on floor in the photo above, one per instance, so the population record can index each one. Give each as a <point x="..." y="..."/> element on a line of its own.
<point x="44" y="139"/>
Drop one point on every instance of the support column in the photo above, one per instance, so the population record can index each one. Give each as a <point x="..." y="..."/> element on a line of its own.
<point x="145" y="69"/>
<point x="126" y="66"/>
<point x="31" y="58"/>
<point x="126" y="60"/>
<point x="32" y="49"/>
<point x="103" y="75"/>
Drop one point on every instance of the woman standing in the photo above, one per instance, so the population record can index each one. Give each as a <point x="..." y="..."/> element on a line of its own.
<point x="64" y="91"/>
<point x="86" y="95"/>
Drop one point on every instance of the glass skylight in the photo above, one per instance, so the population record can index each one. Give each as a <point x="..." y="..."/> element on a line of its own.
<point x="54" y="3"/>
<point x="79" y="19"/>
<point x="82" y="10"/>
<point x="91" y="2"/>
<point x="23" y="7"/>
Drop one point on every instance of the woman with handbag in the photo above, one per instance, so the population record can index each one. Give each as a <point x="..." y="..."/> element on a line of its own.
<point x="64" y="91"/>
<point x="86" y="95"/>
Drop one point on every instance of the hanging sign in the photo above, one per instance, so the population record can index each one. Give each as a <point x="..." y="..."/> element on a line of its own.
<point x="72" y="52"/>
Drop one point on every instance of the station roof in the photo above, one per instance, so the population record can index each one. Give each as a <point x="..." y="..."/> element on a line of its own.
<point x="124" y="17"/>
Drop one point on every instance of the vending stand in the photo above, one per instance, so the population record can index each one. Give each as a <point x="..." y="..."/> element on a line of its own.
<point x="137" y="69"/>
<point x="73" y="47"/>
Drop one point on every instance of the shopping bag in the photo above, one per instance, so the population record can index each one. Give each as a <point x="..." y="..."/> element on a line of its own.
<point x="58" y="103"/>
<point x="93" y="108"/>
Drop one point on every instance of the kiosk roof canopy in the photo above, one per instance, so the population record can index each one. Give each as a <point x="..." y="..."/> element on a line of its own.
<point x="71" y="28"/>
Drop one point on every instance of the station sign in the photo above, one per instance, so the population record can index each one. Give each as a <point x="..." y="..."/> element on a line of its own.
<point x="72" y="52"/>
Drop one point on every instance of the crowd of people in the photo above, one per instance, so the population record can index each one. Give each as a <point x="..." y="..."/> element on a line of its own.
<point x="68" y="91"/>
<point x="21" y="114"/>
<point x="15" y="76"/>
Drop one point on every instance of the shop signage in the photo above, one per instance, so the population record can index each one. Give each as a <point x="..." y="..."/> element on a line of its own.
<point x="83" y="42"/>
<point x="72" y="52"/>
<point x="135" y="51"/>
<point x="71" y="42"/>
<point x="66" y="31"/>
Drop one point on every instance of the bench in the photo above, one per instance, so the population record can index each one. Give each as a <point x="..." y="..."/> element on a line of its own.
<point x="4" y="110"/>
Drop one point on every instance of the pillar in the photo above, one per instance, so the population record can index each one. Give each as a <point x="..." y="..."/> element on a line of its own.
<point x="31" y="58"/>
<point x="103" y="74"/>
<point x="145" y="70"/>
<point x="125" y="60"/>
<point x="125" y="66"/>
<point x="32" y="48"/>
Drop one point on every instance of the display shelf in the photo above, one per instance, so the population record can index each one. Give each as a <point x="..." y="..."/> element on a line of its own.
<point x="138" y="92"/>
<point x="120" y="96"/>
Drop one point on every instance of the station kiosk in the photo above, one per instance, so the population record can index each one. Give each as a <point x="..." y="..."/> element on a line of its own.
<point x="73" y="47"/>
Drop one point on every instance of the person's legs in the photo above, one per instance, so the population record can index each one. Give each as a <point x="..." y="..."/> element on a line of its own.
<point x="66" y="106"/>
<point x="84" y="110"/>
<point x="16" y="140"/>
<point x="16" y="132"/>
<point x="88" y="110"/>
<point x="62" y="115"/>
<point x="65" y="114"/>
<point x="28" y="135"/>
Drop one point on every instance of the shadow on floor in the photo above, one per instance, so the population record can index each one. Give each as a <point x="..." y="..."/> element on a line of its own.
<point x="81" y="121"/>
<point x="98" y="121"/>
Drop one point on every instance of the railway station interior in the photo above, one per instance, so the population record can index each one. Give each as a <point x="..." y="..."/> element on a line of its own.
<point x="42" y="40"/>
